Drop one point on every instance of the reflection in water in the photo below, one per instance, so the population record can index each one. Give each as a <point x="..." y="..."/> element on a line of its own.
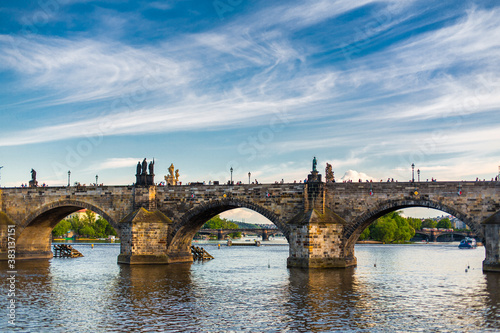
<point x="395" y="288"/>
<point x="492" y="300"/>
<point x="321" y="300"/>
<point x="156" y="295"/>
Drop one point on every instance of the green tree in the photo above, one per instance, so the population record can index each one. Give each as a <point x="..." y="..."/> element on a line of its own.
<point x="83" y="226"/>
<point x="76" y="223"/>
<point x="416" y="224"/>
<point x="383" y="229"/>
<point x="365" y="234"/>
<point x="391" y="227"/>
<point x="444" y="223"/>
<point x="90" y="217"/>
<point x="217" y="223"/>
<point x="428" y="223"/>
<point x="110" y="230"/>
<point x="100" y="227"/>
<point x="404" y="231"/>
<point x="61" y="228"/>
<point x="87" y="231"/>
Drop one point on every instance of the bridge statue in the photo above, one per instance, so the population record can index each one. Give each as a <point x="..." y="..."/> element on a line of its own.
<point x="151" y="167"/>
<point x="150" y="179"/>
<point x="142" y="178"/>
<point x="314" y="176"/>
<point x="172" y="179"/>
<point x="33" y="182"/>
<point x="144" y="167"/>
<point x="138" y="172"/>
<point x="329" y="177"/>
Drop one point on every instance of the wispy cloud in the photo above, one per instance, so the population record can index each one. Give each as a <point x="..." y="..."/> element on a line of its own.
<point x="413" y="80"/>
<point x="116" y="163"/>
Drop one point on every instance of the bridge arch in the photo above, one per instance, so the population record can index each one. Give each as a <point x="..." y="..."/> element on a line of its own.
<point x="35" y="231"/>
<point x="368" y="217"/>
<point x="181" y="233"/>
<point x="67" y="207"/>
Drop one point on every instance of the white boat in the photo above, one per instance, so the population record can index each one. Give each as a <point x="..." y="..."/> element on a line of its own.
<point x="467" y="243"/>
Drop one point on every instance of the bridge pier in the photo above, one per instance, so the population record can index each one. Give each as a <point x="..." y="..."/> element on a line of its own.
<point x="34" y="243"/>
<point x="143" y="238"/>
<point x="316" y="236"/>
<point x="265" y="235"/>
<point x="316" y="242"/>
<point x="492" y="245"/>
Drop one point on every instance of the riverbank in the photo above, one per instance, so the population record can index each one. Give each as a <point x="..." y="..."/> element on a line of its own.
<point x="369" y="242"/>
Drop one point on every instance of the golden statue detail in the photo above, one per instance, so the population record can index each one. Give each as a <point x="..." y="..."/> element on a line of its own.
<point x="172" y="179"/>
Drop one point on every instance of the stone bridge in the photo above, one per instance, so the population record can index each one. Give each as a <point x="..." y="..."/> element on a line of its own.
<point x="321" y="221"/>
<point x="221" y="233"/>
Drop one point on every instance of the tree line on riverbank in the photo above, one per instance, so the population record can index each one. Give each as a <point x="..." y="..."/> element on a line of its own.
<point x="217" y="222"/>
<point x="390" y="228"/>
<point x="85" y="225"/>
<point x="394" y="228"/>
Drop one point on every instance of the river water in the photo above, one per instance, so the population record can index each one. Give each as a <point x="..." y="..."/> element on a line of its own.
<point x="394" y="288"/>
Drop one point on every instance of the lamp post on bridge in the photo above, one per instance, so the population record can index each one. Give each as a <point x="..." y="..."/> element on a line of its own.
<point x="249" y="175"/>
<point x="69" y="177"/>
<point x="231" y="182"/>
<point x="418" y="174"/>
<point x="96" y="180"/>
<point x="412" y="172"/>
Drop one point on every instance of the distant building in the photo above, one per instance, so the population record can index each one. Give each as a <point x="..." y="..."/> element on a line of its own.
<point x="81" y="214"/>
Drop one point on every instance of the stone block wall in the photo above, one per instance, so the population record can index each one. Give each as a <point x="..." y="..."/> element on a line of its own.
<point x="114" y="202"/>
<point x="354" y="203"/>
<point x="143" y="238"/>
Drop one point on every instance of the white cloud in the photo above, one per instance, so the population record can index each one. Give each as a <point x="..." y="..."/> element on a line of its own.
<point x="116" y="163"/>
<point x="356" y="176"/>
<point x="245" y="215"/>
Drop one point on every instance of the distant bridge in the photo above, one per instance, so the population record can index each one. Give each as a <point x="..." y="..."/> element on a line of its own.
<point x="432" y="235"/>
<point x="221" y="233"/>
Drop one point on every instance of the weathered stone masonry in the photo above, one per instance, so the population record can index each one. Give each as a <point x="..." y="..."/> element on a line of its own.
<point x="321" y="221"/>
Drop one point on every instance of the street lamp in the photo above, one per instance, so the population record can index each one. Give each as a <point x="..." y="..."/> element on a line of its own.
<point x="69" y="175"/>
<point x="231" y="175"/>
<point x="249" y="175"/>
<point x="96" y="178"/>
<point x="418" y="174"/>
<point x="412" y="173"/>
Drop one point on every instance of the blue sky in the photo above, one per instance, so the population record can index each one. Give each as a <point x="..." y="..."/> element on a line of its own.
<point x="260" y="86"/>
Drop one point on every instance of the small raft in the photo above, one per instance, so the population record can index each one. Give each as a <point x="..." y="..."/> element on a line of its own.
<point x="66" y="251"/>
<point x="199" y="253"/>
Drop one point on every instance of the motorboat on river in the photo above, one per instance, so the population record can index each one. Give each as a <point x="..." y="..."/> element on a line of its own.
<point x="467" y="243"/>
